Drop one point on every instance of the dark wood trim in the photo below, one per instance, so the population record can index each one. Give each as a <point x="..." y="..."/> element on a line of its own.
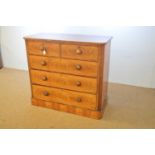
<point x="67" y="108"/>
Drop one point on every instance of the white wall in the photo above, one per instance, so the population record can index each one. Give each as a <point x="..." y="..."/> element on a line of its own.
<point x="13" y="45"/>
<point x="132" y="50"/>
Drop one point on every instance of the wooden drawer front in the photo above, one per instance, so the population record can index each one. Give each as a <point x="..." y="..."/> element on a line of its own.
<point x="43" y="48"/>
<point x="64" y="81"/>
<point x="52" y="49"/>
<point x="75" y="67"/>
<point x="65" y="97"/>
<point x="80" y="52"/>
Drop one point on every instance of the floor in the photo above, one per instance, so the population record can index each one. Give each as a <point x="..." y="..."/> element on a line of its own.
<point x="128" y="107"/>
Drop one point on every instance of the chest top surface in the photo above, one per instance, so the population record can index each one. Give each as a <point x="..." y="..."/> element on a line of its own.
<point x="70" y="38"/>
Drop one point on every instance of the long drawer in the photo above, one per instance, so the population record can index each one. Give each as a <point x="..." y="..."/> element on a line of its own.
<point x="75" y="67"/>
<point x="82" y="84"/>
<point x="67" y="97"/>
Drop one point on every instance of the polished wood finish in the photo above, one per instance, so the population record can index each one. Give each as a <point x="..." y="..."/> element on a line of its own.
<point x="65" y="97"/>
<point x="68" y="108"/>
<point x="70" y="38"/>
<point x="89" y="53"/>
<point x="75" y="67"/>
<point x="69" y="72"/>
<point x="65" y="81"/>
<point x="43" y="48"/>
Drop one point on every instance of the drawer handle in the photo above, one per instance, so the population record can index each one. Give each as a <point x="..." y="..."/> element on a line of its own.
<point x="43" y="63"/>
<point x="78" y="51"/>
<point x="44" y="51"/>
<point x="78" y="67"/>
<point x="78" y="99"/>
<point x="44" y="78"/>
<point x="46" y="93"/>
<point x="78" y="83"/>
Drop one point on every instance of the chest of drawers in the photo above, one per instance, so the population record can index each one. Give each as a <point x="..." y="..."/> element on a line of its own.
<point x="69" y="72"/>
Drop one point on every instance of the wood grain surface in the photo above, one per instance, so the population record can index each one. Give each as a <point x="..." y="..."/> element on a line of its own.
<point x="59" y="80"/>
<point x="78" y="99"/>
<point x="69" y="72"/>
<point x="86" y="68"/>
<point x="70" y="109"/>
<point x="89" y="53"/>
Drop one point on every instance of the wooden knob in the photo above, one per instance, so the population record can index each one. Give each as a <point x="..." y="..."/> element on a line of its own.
<point x="78" y="83"/>
<point x="78" y="67"/>
<point x="44" y="51"/>
<point x="46" y="93"/>
<point x="43" y="63"/>
<point x="78" y="99"/>
<point x="44" y="78"/>
<point x="78" y="51"/>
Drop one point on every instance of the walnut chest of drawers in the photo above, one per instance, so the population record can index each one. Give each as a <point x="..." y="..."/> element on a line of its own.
<point x="69" y="72"/>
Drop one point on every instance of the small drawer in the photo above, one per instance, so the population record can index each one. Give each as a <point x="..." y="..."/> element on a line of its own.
<point x="77" y="99"/>
<point x="36" y="47"/>
<point x="75" y="67"/>
<point x="59" y="80"/>
<point x="80" y="52"/>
